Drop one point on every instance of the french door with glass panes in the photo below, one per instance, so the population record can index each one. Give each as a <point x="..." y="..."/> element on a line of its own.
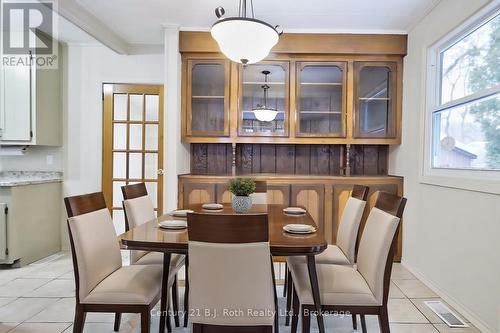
<point x="132" y="144"/>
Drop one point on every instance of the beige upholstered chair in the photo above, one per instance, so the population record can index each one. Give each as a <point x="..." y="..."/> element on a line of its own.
<point x="362" y="290"/>
<point x="138" y="210"/>
<point x="344" y="252"/>
<point x="230" y="268"/>
<point x="259" y="197"/>
<point x="102" y="283"/>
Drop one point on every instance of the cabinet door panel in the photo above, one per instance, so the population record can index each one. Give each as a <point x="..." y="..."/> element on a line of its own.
<point x="375" y="99"/>
<point x="321" y="91"/>
<point x="278" y="194"/>
<point x="312" y="198"/>
<point x="17" y="102"/>
<point x="252" y="96"/>
<point x="207" y="99"/>
<point x="198" y="193"/>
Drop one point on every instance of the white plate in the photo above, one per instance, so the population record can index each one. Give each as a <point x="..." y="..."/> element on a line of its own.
<point x="294" y="210"/>
<point x="299" y="228"/>
<point x="173" y="224"/>
<point x="212" y="206"/>
<point x="181" y="212"/>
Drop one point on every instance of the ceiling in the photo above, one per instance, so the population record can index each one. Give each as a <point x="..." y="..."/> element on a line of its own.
<point x="141" y="21"/>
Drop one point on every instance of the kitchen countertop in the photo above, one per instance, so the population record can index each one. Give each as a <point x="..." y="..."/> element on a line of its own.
<point x="17" y="178"/>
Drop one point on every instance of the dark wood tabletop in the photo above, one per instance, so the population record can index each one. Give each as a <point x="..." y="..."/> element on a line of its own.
<point x="150" y="237"/>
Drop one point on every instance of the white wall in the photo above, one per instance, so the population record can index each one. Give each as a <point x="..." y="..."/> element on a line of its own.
<point x="450" y="235"/>
<point x="87" y="68"/>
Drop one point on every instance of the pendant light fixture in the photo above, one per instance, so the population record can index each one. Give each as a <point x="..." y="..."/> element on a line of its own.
<point x="244" y="39"/>
<point x="263" y="112"/>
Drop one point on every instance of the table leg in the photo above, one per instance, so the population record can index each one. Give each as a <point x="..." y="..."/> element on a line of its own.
<point x="164" y="291"/>
<point x="313" y="278"/>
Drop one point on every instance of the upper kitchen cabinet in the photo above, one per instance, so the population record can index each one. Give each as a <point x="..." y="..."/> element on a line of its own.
<point x="311" y="89"/>
<point x="30" y="108"/>
<point x="375" y="99"/>
<point x="264" y="91"/>
<point x="321" y="99"/>
<point x="207" y="97"/>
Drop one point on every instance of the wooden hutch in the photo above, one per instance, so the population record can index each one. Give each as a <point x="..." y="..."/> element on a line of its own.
<point x="338" y="97"/>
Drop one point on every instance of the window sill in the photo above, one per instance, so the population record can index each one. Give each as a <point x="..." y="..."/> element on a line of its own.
<point x="464" y="180"/>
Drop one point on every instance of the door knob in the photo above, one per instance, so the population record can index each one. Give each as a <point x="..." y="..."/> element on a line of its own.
<point x="160" y="172"/>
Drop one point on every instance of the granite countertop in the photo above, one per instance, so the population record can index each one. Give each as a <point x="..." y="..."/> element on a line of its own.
<point x="16" y="178"/>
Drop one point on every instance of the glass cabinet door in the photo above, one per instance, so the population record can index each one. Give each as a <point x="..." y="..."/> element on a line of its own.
<point x="374" y="99"/>
<point x="208" y="98"/>
<point x="321" y="88"/>
<point x="251" y="97"/>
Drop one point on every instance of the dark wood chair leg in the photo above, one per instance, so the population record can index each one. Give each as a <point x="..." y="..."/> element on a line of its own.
<point x="363" y="323"/>
<point x="295" y="309"/>
<point x="354" y="321"/>
<point x="175" y="301"/>
<point x="169" y="324"/>
<point x="145" y="321"/>
<point x="285" y="285"/>
<point x="79" y="321"/>
<point x="186" y="292"/>
<point x="118" y="318"/>
<point x="306" y="320"/>
<point x="313" y="280"/>
<point x="164" y="315"/>
<point x="288" y="298"/>
<point x="383" y="320"/>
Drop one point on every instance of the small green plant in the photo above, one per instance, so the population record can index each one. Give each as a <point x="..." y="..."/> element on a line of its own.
<point x="242" y="187"/>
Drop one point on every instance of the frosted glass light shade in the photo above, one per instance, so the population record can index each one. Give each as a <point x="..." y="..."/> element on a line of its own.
<point x="244" y="40"/>
<point x="264" y="114"/>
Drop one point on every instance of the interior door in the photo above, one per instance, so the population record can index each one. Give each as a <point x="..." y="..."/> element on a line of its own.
<point x="132" y="144"/>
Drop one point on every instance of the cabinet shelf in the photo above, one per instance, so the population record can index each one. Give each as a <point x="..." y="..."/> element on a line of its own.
<point x="374" y="99"/>
<point x="319" y="112"/>
<point x="207" y="97"/>
<point x="335" y="84"/>
<point x="261" y="83"/>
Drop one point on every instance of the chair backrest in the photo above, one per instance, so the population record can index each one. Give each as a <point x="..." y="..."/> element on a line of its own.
<point x="134" y="191"/>
<point x="259" y="197"/>
<point x="94" y="246"/>
<point x="137" y="205"/>
<point x="138" y="209"/>
<point x="230" y="268"/>
<point x="349" y="222"/>
<point x="378" y="242"/>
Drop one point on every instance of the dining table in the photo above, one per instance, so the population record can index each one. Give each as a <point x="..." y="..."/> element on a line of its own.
<point x="151" y="237"/>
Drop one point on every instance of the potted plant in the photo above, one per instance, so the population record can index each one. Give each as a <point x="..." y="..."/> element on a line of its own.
<point x="242" y="188"/>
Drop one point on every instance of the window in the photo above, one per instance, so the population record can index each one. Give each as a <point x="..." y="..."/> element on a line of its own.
<point x="465" y="106"/>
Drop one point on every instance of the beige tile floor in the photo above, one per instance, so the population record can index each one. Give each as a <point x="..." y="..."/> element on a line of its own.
<point x="39" y="298"/>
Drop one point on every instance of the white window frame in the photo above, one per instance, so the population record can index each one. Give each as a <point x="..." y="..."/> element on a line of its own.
<point x="487" y="181"/>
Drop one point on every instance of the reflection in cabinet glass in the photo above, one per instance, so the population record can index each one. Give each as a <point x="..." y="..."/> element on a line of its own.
<point x="252" y="82"/>
<point x="321" y="99"/>
<point x="208" y="98"/>
<point x="375" y="104"/>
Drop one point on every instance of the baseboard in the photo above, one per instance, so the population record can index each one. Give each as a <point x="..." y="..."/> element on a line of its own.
<point x="469" y="315"/>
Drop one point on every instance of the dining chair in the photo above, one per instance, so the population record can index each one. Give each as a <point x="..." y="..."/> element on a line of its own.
<point x="344" y="251"/>
<point x="102" y="283"/>
<point x="231" y="274"/>
<point x="259" y="197"/>
<point x="139" y="209"/>
<point x="363" y="289"/>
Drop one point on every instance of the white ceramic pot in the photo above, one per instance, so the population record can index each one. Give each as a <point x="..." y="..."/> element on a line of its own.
<point x="242" y="204"/>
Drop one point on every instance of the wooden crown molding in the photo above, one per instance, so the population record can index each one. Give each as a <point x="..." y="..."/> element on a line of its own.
<point x="300" y="43"/>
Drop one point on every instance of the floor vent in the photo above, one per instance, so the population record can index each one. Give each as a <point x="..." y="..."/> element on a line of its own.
<point x="444" y="312"/>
